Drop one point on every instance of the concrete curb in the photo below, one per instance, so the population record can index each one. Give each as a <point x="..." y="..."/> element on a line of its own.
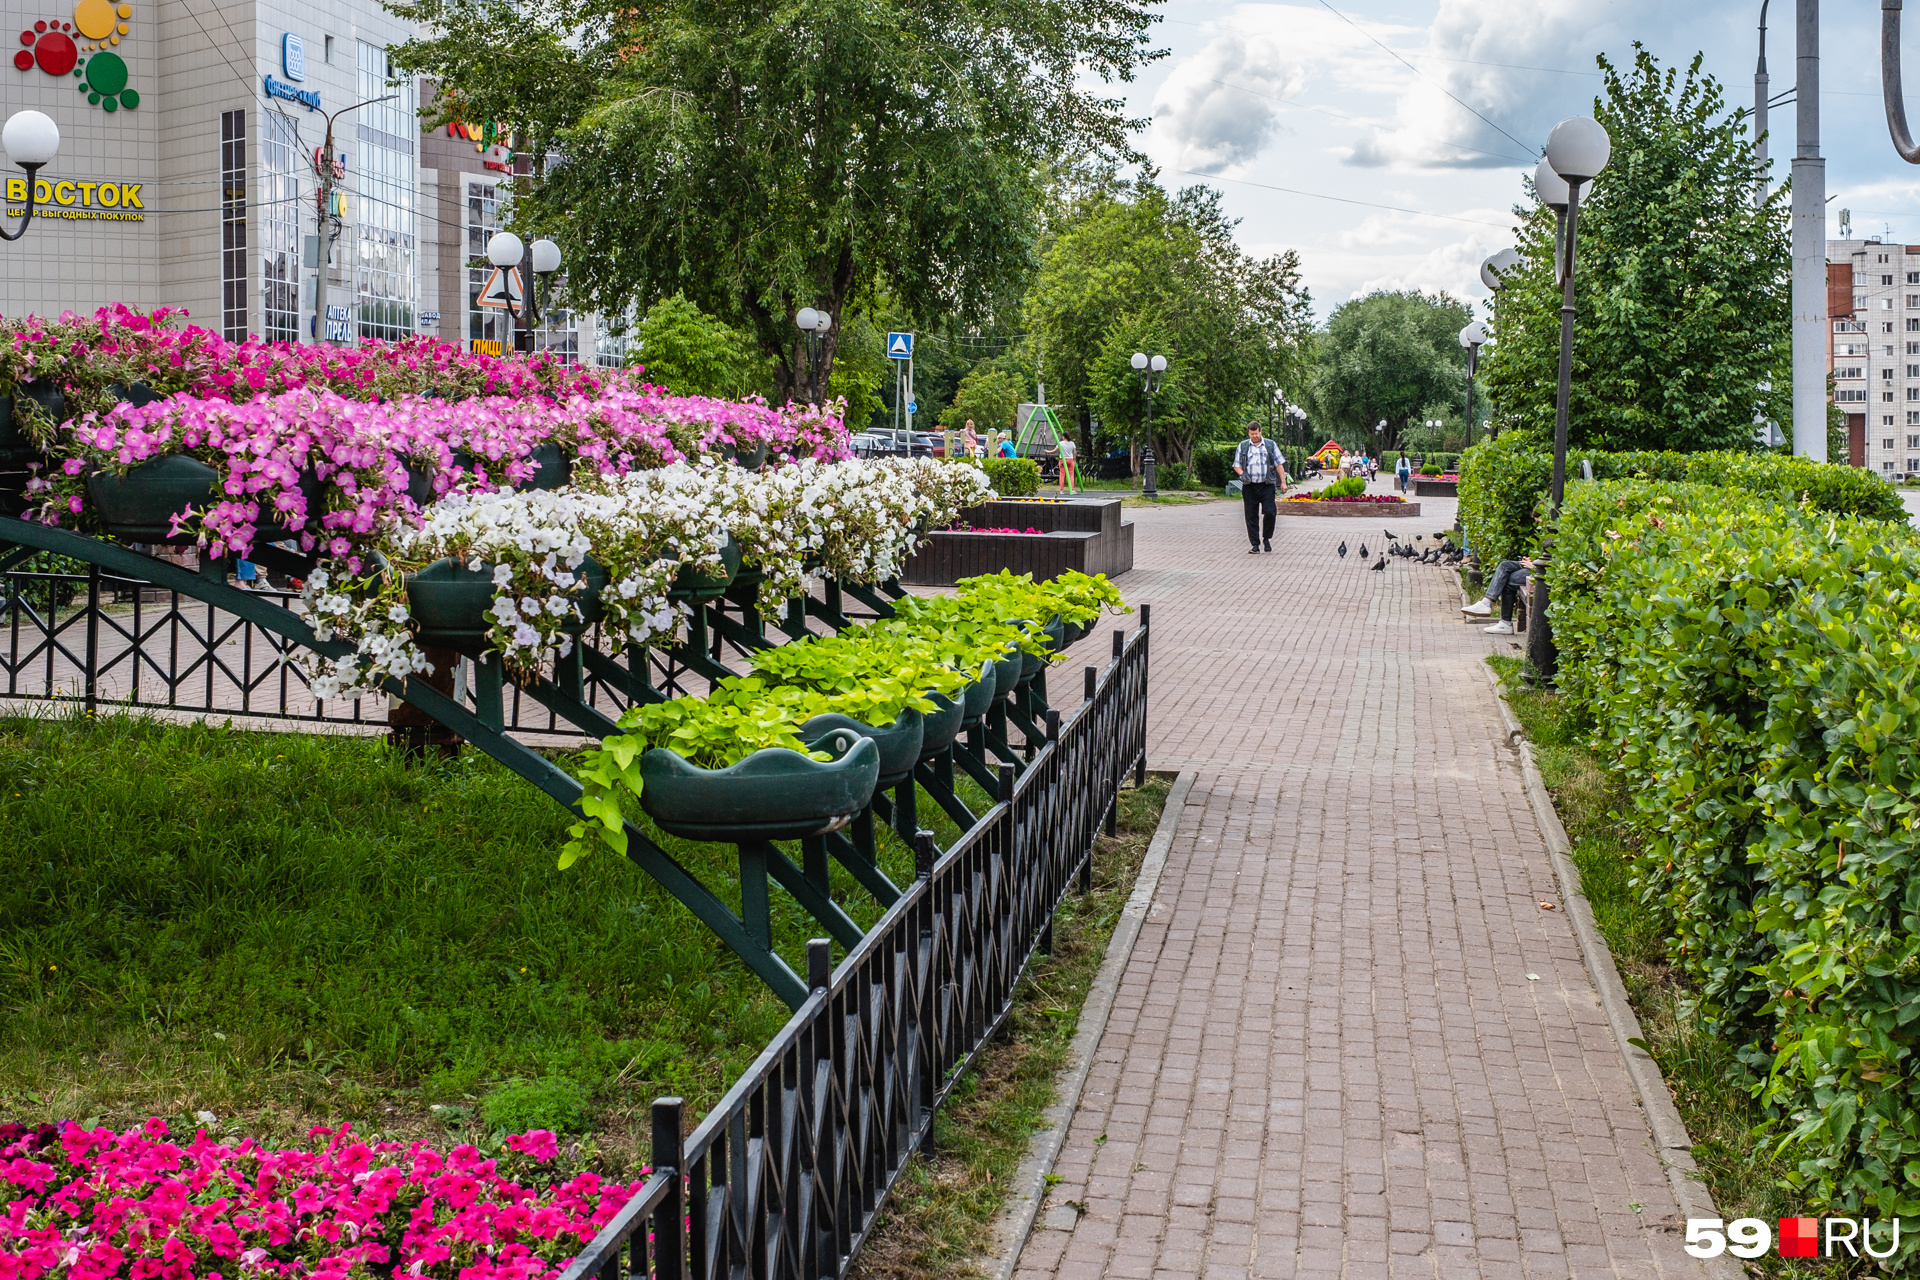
<point x="1015" y="1222"/>
<point x="1674" y="1146"/>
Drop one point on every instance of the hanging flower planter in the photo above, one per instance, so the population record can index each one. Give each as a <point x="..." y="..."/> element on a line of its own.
<point x="941" y="726"/>
<point x="140" y="505"/>
<point x="556" y="469"/>
<point x="899" y="742"/>
<point x="1009" y="672"/>
<point x="696" y="584"/>
<point x="773" y="794"/>
<point x="453" y="605"/>
<point x="314" y="490"/>
<point x="979" y="695"/>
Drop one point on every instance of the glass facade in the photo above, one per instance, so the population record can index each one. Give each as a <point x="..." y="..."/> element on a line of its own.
<point x="279" y="227"/>
<point x="386" y="237"/>
<point x="233" y="225"/>
<point x="488" y="328"/>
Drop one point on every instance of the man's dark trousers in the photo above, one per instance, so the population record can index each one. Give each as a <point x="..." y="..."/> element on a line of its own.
<point x="1258" y="499"/>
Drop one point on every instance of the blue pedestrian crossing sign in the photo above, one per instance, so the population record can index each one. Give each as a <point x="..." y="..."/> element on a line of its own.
<point x="913" y="407"/>
<point x="900" y="346"/>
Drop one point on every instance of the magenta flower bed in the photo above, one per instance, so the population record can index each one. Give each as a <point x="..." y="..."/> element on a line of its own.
<point x="96" y="1205"/>
<point x="972" y="530"/>
<point x="1368" y="497"/>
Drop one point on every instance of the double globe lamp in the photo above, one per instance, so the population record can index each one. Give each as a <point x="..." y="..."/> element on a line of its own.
<point x="505" y="251"/>
<point x="31" y="140"/>
<point x="814" y="323"/>
<point x="1151" y="368"/>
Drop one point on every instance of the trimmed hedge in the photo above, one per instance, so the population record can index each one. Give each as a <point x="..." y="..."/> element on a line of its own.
<point x="1749" y="666"/>
<point x="1013" y="477"/>
<point x="1504" y="483"/>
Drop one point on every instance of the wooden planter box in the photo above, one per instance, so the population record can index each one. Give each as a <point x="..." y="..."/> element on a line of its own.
<point x="1340" y="510"/>
<point x="1436" y="488"/>
<point x="1087" y="536"/>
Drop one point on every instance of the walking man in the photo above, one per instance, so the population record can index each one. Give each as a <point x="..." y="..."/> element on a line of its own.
<point x="1258" y="464"/>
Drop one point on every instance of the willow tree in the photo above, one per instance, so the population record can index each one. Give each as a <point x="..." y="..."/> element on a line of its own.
<point x="759" y="157"/>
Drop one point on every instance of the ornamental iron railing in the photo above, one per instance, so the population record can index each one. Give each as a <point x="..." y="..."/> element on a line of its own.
<point x="784" y="1178"/>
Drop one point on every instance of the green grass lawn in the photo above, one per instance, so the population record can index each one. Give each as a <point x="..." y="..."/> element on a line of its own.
<point x="282" y="928"/>
<point x="1701" y="1072"/>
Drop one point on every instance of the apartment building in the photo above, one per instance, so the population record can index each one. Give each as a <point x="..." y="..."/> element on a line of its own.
<point x="1873" y="351"/>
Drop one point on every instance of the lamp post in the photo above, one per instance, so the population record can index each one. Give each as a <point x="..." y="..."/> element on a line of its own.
<point x="1152" y="369"/>
<point x="1297" y="417"/>
<point x="505" y="251"/>
<point x="330" y="171"/>
<point x="1577" y="151"/>
<point x="1472" y="337"/>
<point x="1493" y="274"/>
<point x="31" y="140"/>
<point x="813" y="323"/>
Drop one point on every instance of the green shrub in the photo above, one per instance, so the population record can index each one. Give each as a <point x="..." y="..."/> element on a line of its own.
<point x="1747" y="664"/>
<point x="1296" y="456"/>
<point x="1013" y="477"/>
<point x="1429" y="468"/>
<point x="1172" y="476"/>
<point x="1213" y="464"/>
<point x="1504" y="482"/>
<point x="553" y="1102"/>
<point x="1348" y="488"/>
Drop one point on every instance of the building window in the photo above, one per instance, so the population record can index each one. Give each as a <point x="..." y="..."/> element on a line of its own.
<point x="609" y="348"/>
<point x="1886" y="444"/>
<point x="1849" y="371"/>
<point x="1882" y="258"/>
<point x="1887" y="466"/>
<point x="1857" y="326"/>
<point x="1886" y="375"/>
<point x="279" y="228"/>
<point x="385" y="247"/>
<point x="1886" y="397"/>
<point x="1887" y="326"/>
<point x="1859" y="302"/>
<point x="1846" y="396"/>
<point x="489" y="329"/>
<point x="233" y="225"/>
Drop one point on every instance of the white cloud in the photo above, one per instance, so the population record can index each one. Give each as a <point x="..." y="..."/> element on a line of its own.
<point x="1217" y="109"/>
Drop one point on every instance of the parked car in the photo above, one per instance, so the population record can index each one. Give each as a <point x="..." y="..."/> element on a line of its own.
<point x="884" y="442"/>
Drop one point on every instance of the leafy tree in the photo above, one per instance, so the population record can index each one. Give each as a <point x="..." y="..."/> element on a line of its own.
<point x="1135" y="265"/>
<point x="990" y="395"/>
<point x="862" y="372"/>
<point x="1388" y="355"/>
<point x="688" y="351"/>
<point x="1683" y="336"/>
<point x="761" y="156"/>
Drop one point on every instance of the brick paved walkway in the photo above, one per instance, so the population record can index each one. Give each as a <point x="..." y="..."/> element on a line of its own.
<point x="1330" y="1055"/>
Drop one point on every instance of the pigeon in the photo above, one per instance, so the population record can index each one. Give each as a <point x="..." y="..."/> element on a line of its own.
<point x="1363" y="551"/>
<point x="1343" y="549"/>
<point x="1380" y="564"/>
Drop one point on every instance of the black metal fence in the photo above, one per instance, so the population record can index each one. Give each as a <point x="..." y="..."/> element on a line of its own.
<point x="97" y="637"/>
<point x="783" y="1179"/>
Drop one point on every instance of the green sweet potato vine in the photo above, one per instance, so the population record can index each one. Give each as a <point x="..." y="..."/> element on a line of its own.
<point x="1750" y="665"/>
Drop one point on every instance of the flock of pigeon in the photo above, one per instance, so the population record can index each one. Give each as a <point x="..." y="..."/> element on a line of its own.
<point x="1443" y="551"/>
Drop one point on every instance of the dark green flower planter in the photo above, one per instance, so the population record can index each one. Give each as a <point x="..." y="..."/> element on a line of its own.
<point x="52" y="401"/>
<point x="556" y="471"/>
<point x="752" y="459"/>
<point x="774" y="794"/>
<point x="1056" y="634"/>
<point x="139" y="506"/>
<point x="899" y="742"/>
<point x="744" y="587"/>
<point x="452" y="604"/>
<point x="134" y="393"/>
<point x="941" y="726"/>
<point x="314" y="489"/>
<point x="1007" y="672"/>
<point x="692" y="584"/>
<point x="420" y="484"/>
<point x="978" y="698"/>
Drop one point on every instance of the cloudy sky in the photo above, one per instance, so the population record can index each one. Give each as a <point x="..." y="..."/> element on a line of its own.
<point x="1356" y="99"/>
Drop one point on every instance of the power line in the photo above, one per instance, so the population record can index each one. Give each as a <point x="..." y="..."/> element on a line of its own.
<point x="1327" y="4"/>
<point x="1293" y="191"/>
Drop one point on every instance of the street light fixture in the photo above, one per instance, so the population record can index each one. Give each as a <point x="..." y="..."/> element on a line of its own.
<point x="1473" y="337"/>
<point x="31" y="140"/>
<point x="505" y="251"/>
<point x="814" y="323"/>
<point x="1577" y="150"/>
<point x="1151" y="369"/>
<point x="329" y="171"/>
<point x="1497" y="266"/>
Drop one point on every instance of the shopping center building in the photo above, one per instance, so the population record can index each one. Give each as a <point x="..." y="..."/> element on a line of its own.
<point x="191" y="174"/>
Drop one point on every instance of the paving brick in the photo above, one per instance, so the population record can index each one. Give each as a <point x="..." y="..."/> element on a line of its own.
<point x="1325" y="1057"/>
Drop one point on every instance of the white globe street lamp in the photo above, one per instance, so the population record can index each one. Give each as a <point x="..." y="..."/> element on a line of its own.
<point x="1577" y="150"/>
<point x="504" y="250"/>
<point x="813" y="322"/>
<point x="1151" y="370"/>
<point x="31" y="140"/>
<point x="1496" y="266"/>
<point x="546" y="257"/>
<point x="1473" y="337"/>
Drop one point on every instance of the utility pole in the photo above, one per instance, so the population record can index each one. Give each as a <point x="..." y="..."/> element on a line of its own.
<point x="1809" y="243"/>
<point x="330" y="171"/>
<point x="1760" y="104"/>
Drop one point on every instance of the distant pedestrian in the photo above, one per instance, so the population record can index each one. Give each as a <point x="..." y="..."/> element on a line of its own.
<point x="1007" y="448"/>
<point x="970" y="440"/>
<point x="1259" y="465"/>
<point x="1069" y="479"/>
<point x="1403" y="473"/>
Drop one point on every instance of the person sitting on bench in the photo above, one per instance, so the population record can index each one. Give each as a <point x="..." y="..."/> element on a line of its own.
<point x="1509" y="576"/>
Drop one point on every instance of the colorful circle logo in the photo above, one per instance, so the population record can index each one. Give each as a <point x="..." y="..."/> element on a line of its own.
<point x="79" y="48"/>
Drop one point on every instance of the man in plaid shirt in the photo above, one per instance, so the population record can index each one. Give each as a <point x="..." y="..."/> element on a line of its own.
<point x="1258" y="464"/>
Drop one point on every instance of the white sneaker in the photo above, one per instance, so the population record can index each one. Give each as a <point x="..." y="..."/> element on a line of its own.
<point x="1478" y="609"/>
<point x="1500" y="629"/>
